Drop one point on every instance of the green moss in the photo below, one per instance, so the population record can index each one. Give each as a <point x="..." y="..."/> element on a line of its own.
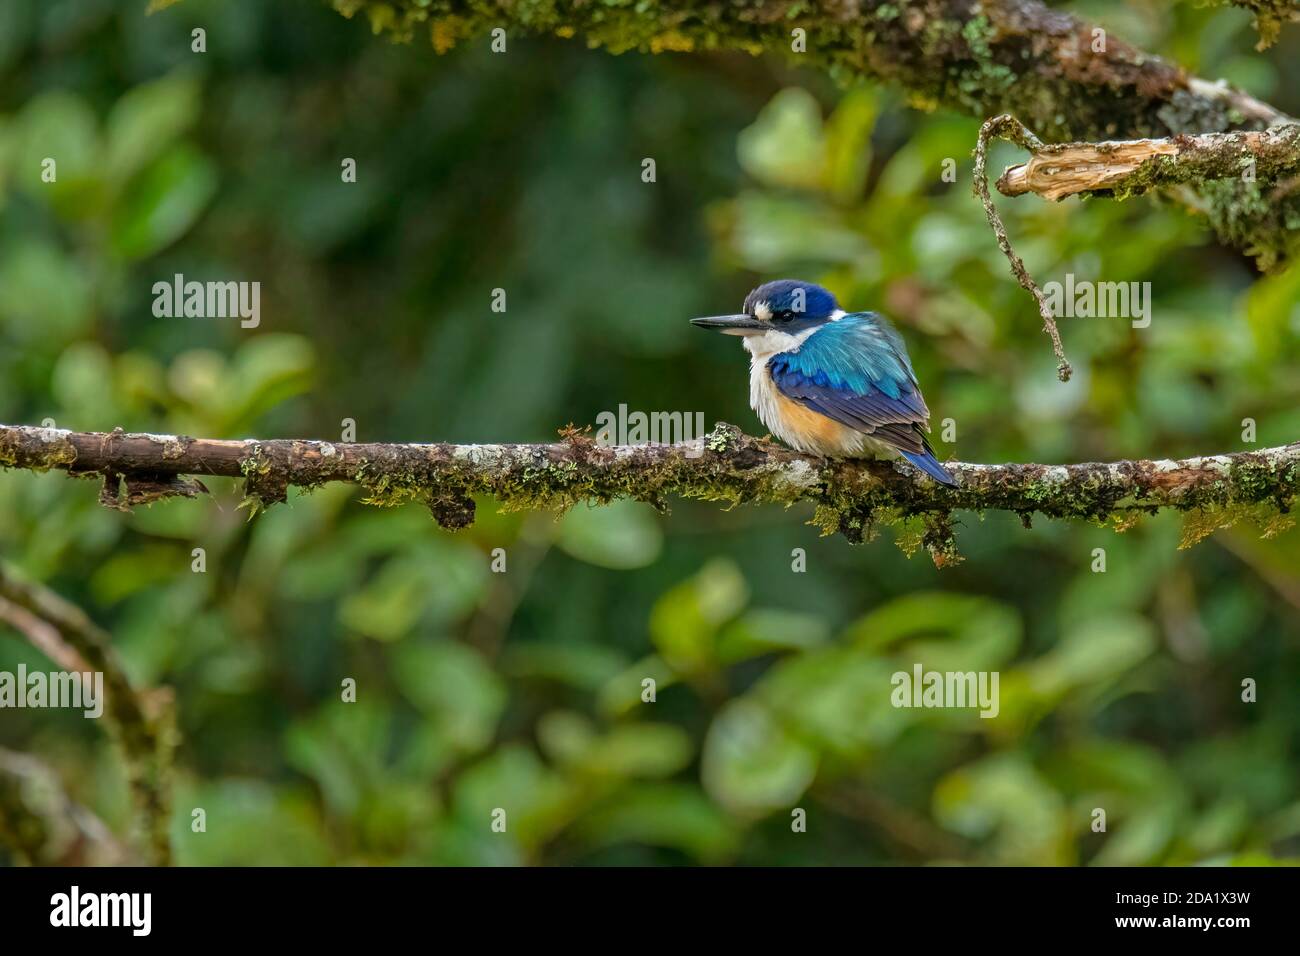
<point x="253" y="504"/>
<point x="1148" y="176"/>
<point x="940" y="539"/>
<point x="391" y="490"/>
<point x="59" y="454"/>
<point x="555" y="486"/>
<point x="62" y="457"/>
<point x="1244" y="217"/>
<point x="263" y="484"/>
<point x="826" y="518"/>
<point x="255" y="464"/>
<point x="1091" y="499"/>
<point x="909" y="534"/>
<point x="1200" y="523"/>
<point x="1254" y="481"/>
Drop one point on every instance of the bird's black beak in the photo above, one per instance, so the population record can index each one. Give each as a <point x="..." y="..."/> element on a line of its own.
<point x="731" y="324"/>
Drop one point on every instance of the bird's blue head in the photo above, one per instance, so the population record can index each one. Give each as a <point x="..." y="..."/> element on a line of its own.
<point x="786" y="305"/>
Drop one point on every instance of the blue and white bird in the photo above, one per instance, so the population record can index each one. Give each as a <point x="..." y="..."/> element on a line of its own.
<point x="830" y="382"/>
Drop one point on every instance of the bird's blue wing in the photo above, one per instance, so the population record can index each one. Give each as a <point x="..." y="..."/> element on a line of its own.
<point x="856" y="371"/>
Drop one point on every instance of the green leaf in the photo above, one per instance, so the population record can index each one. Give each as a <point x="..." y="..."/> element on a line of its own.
<point x="764" y="630"/>
<point x="750" y="764"/>
<point x="837" y="699"/>
<point x="1094" y="652"/>
<point x="82" y="383"/>
<point x="391" y="603"/>
<point x="577" y="664"/>
<point x="536" y="801"/>
<point x="341" y="746"/>
<point x="771" y="232"/>
<point x="982" y="628"/>
<point x="1003" y="800"/>
<point x="454" y="687"/>
<point x="627" y="750"/>
<point x="848" y="143"/>
<point x="267" y="370"/>
<point x="621" y="535"/>
<point x="62" y="127"/>
<point x="667" y="815"/>
<point x="45" y="298"/>
<point x="641" y="750"/>
<point x="785" y="145"/>
<point x="129" y="572"/>
<point x="163" y="203"/>
<point x="434" y="581"/>
<point x="1138" y="839"/>
<point x="200" y="377"/>
<point x="250" y="823"/>
<point x="566" y="737"/>
<point x="685" y="620"/>
<point x="146" y="121"/>
<point x="622" y="692"/>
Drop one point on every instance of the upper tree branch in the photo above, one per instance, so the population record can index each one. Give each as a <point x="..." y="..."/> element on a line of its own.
<point x="1130" y="167"/>
<point x="1126" y="168"/>
<point x="984" y="57"/>
<point x="726" y="466"/>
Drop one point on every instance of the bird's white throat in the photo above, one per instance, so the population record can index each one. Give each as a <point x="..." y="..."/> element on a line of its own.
<point x="764" y="345"/>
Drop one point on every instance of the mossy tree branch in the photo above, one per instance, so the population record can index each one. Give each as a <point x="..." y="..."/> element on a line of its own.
<point x="41" y="825"/>
<point x="1063" y="77"/>
<point x="1131" y="167"/>
<point x="851" y="497"/>
<point x="140" y="723"/>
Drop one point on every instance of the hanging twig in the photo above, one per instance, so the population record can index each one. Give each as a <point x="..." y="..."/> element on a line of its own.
<point x="1010" y="128"/>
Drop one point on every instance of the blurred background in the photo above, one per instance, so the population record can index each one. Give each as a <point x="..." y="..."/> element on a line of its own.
<point x="476" y="690"/>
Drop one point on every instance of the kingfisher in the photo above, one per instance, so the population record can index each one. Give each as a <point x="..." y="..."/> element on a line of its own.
<point x="834" y="383"/>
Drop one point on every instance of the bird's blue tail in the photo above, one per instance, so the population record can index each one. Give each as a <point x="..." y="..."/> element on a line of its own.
<point x="930" y="465"/>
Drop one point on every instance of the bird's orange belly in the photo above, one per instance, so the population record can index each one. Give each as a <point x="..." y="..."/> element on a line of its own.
<point x="811" y="431"/>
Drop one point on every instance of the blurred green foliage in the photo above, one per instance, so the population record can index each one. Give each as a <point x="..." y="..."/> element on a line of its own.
<point x="524" y="690"/>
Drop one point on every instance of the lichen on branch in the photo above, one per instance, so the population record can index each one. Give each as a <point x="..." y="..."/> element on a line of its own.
<point x="1126" y="168"/>
<point x="850" y="497"/>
